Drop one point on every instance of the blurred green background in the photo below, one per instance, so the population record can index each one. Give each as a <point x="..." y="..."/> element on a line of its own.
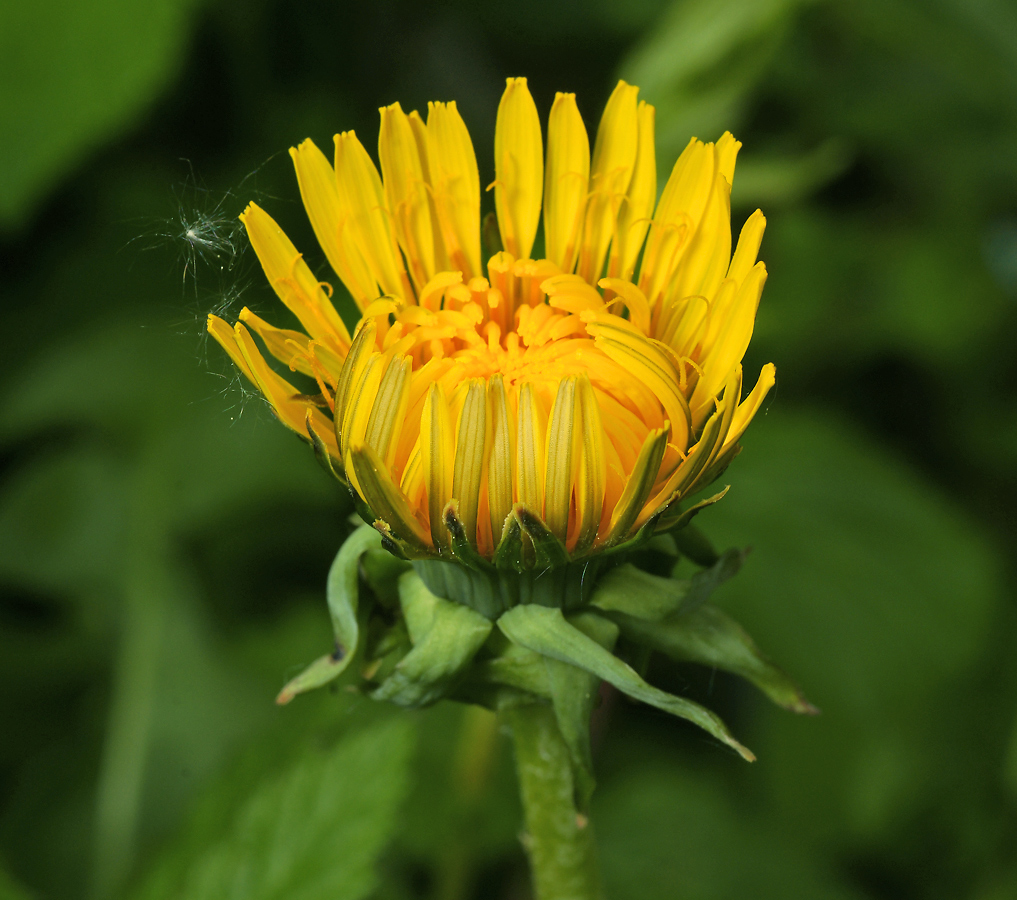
<point x="164" y="543"/>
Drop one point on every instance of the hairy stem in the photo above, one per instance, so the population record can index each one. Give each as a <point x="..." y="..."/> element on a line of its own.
<point x="559" y="841"/>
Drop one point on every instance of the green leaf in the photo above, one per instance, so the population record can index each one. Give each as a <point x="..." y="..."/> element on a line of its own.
<point x="515" y="667"/>
<point x="629" y="590"/>
<point x="699" y="63"/>
<point x="545" y="631"/>
<point x="445" y="637"/>
<point x="573" y="694"/>
<point x="691" y="542"/>
<point x="10" y="889"/>
<point x="343" y="593"/>
<point x="711" y="637"/>
<point x="72" y="77"/>
<point x="314" y="831"/>
<point x="670" y="832"/>
<point x="343" y="588"/>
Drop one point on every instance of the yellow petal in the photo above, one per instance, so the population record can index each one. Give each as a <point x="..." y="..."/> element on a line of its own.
<point x="518" y="168"/>
<point x="321" y="200"/>
<point x="441" y="261"/>
<point x="406" y="192"/>
<point x="362" y="205"/>
<point x="360" y="403"/>
<point x="719" y="426"/>
<point x="638" y="485"/>
<point x="558" y="478"/>
<point x="566" y="182"/>
<point x="748" y="408"/>
<point x="287" y="346"/>
<point x="530" y="450"/>
<point x="649" y="364"/>
<point x="678" y="213"/>
<point x="748" y="246"/>
<point x="683" y="327"/>
<point x="470" y="450"/>
<point x="420" y="384"/>
<point x="352" y="371"/>
<point x="708" y="256"/>
<point x="727" y="405"/>
<point x="437" y="450"/>
<point x="614" y="157"/>
<point x="637" y="208"/>
<point x="499" y="468"/>
<point x="634" y="300"/>
<point x="292" y="280"/>
<point x="227" y="339"/>
<point x="683" y="479"/>
<point x="389" y="408"/>
<point x="280" y="393"/>
<point x="571" y="293"/>
<point x="727" y="153"/>
<point x="455" y="181"/>
<point x="730" y="343"/>
<point x="382" y="495"/>
<point x="591" y="474"/>
<point x="412" y="481"/>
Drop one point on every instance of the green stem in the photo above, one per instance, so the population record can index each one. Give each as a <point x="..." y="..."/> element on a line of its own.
<point x="559" y="841"/>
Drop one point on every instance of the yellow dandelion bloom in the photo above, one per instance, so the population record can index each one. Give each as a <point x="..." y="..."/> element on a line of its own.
<point x="575" y="397"/>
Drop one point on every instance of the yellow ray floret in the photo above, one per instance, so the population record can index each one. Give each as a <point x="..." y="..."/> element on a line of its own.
<point x="566" y="182"/>
<point x="576" y="390"/>
<point x="518" y="168"/>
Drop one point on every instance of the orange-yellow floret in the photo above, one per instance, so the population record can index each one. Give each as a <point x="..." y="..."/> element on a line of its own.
<point x="594" y="391"/>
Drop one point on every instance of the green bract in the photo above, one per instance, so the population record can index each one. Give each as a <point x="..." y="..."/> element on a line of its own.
<point x="503" y="634"/>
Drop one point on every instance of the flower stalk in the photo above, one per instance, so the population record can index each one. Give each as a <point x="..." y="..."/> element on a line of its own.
<point x="559" y="839"/>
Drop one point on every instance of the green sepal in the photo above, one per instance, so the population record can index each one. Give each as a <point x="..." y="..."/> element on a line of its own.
<point x="709" y="636"/>
<point x="479" y="589"/>
<point x="691" y="542"/>
<point x="343" y="593"/>
<point x="319" y="673"/>
<point x="462" y="549"/>
<point x="546" y="631"/>
<point x="394" y="544"/>
<point x="549" y="552"/>
<point x="381" y="571"/>
<point x="629" y="590"/>
<point x="510" y="553"/>
<point x="573" y="695"/>
<point x="639" y="540"/>
<point x="683" y="518"/>
<point x="445" y="637"/>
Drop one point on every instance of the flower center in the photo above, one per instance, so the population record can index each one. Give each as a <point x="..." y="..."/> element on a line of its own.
<point x="479" y="329"/>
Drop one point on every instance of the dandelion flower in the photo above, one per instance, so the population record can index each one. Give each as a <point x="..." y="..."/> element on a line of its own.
<point x="514" y="423"/>
<point x="563" y="392"/>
